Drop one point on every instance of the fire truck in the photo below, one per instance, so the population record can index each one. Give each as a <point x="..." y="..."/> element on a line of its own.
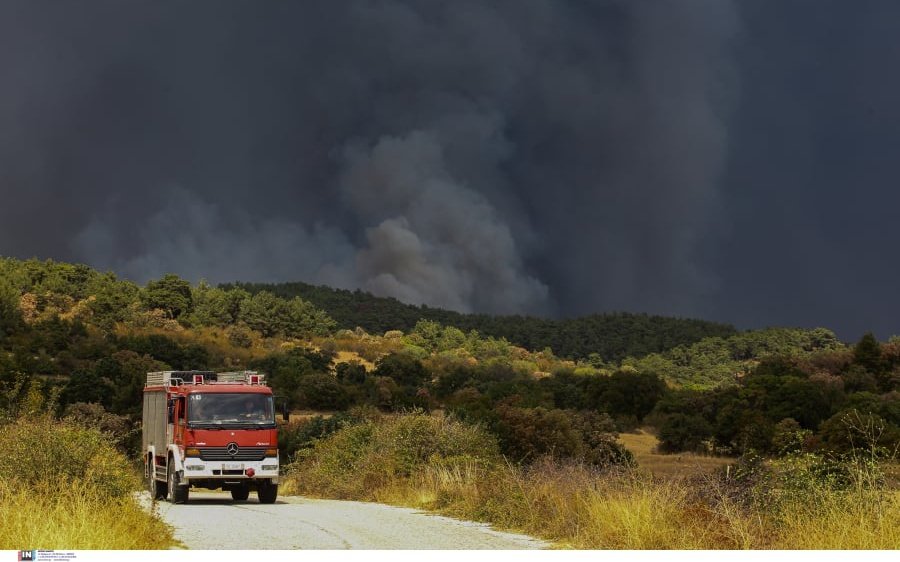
<point x="210" y="430"/>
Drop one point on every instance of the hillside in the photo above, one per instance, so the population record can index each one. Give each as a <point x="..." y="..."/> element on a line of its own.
<point x="71" y="335"/>
<point x="611" y="336"/>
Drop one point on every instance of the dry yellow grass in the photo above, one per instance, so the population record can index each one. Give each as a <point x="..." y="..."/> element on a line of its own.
<point x="856" y="521"/>
<point x="643" y="446"/>
<point x="76" y="518"/>
<point x="348" y="356"/>
<point x="676" y="504"/>
<point x="63" y="486"/>
<point x="578" y="509"/>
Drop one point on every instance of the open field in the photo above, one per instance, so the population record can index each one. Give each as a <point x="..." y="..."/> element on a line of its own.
<point x="643" y="446"/>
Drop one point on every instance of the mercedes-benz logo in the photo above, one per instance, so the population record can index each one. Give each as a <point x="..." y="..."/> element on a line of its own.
<point x="231" y="449"/>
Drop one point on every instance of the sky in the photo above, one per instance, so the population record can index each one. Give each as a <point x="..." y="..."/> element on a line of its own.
<point x="732" y="160"/>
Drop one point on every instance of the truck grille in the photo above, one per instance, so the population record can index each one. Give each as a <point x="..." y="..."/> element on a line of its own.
<point x="243" y="454"/>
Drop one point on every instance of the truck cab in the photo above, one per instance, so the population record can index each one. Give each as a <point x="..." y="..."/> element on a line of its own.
<point x="210" y="430"/>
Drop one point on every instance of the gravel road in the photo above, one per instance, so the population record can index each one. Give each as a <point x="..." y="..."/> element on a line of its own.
<point x="211" y="520"/>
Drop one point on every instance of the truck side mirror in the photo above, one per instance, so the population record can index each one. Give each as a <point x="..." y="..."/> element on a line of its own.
<point x="171" y="411"/>
<point x="285" y="411"/>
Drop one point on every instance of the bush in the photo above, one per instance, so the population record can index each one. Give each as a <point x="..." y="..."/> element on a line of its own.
<point x="303" y="435"/>
<point x="120" y="430"/>
<point x="322" y="392"/>
<point x="39" y="450"/>
<point x="359" y="458"/>
<point x="527" y="434"/>
<point x="683" y="432"/>
<point x="850" y="431"/>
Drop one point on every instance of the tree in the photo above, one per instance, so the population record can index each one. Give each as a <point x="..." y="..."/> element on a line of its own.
<point x="426" y="334"/>
<point x="789" y="437"/>
<point x="211" y="306"/>
<point x="683" y="432"/>
<point x="304" y="320"/>
<point x="170" y="294"/>
<point x="527" y="434"/>
<point x="867" y="353"/>
<point x="10" y="313"/>
<point x="405" y="370"/>
<point x="86" y="387"/>
<point x="111" y="300"/>
<point x="321" y="392"/>
<point x="265" y="313"/>
<point x="851" y="430"/>
<point x="352" y="372"/>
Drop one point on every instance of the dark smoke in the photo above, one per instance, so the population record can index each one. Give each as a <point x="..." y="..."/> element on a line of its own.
<point x="466" y="155"/>
<point x="539" y="156"/>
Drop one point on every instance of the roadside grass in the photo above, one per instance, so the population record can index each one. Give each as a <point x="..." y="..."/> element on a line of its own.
<point x="856" y="521"/>
<point x="78" y="517"/>
<point x="63" y="486"/>
<point x="404" y="461"/>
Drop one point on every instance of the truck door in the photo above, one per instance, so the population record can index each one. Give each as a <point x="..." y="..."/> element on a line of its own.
<point x="179" y="419"/>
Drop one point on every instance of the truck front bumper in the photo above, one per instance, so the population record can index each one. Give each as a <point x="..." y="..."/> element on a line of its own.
<point x="197" y="469"/>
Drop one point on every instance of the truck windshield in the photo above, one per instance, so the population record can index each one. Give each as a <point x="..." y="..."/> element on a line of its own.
<point x="230" y="408"/>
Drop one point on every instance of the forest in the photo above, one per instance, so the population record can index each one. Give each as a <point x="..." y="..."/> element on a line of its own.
<point x="73" y="339"/>
<point x="611" y="336"/>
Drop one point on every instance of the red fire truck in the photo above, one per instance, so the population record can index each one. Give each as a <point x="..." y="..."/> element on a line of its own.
<point x="210" y="430"/>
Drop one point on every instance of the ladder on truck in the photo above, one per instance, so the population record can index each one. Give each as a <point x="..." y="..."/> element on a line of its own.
<point x="180" y="378"/>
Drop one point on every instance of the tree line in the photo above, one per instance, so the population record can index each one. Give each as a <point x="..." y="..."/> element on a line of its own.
<point x="611" y="337"/>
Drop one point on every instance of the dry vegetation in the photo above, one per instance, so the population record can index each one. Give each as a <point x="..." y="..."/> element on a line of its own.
<point x="668" y="466"/>
<point x="64" y="487"/>
<point x="437" y="464"/>
<point x="77" y="517"/>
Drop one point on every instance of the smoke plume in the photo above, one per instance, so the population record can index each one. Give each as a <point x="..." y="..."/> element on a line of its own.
<point x="532" y="156"/>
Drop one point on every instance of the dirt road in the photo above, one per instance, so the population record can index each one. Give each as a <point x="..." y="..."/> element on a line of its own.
<point x="210" y="520"/>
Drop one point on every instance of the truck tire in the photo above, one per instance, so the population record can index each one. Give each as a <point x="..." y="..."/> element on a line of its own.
<point x="267" y="492"/>
<point x="240" y="494"/>
<point x="177" y="493"/>
<point x="158" y="490"/>
<point x="162" y="490"/>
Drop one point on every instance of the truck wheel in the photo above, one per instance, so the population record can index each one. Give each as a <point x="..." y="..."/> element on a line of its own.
<point x="240" y="494"/>
<point x="162" y="490"/>
<point x="267" y="492"/>
<point x="177" y="493"/>
<point x="158" y="490"/>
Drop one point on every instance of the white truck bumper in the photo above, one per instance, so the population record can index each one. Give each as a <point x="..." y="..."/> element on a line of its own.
<point x="197" y="469"/>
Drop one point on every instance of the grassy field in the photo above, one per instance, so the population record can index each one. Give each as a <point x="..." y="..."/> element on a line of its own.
<point x="674" y="503"/>
<point x="643" y="446"/>
<point x="64" y="487"/>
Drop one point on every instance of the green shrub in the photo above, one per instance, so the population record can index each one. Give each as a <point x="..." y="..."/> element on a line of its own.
<point x="303" y="435"/>
<point x="40" y="450"/>
<point x="359" y="458"/>
<point x="321" y="391"/>
<point x="120" y="431"/>
<point x="527" y="434"/>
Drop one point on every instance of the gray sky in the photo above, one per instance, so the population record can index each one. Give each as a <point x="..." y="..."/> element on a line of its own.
<point x="730" y="160"/>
